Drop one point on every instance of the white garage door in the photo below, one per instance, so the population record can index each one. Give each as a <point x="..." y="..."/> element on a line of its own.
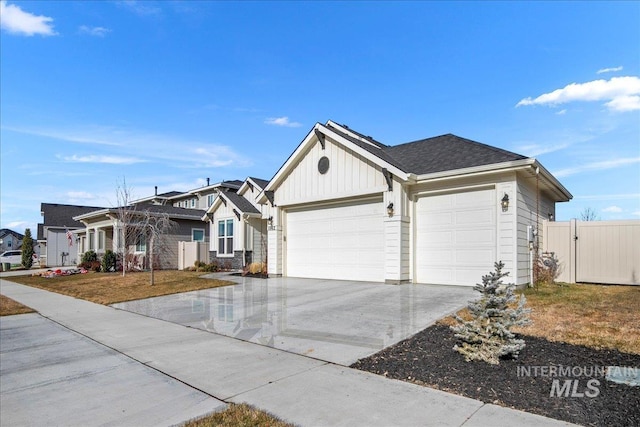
<point x="342" y="242"/>
<point x="455" y="237"/>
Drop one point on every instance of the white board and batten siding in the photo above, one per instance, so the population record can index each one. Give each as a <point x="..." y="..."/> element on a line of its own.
<point x="349" y="175"/>
<point x="455" y="237"/>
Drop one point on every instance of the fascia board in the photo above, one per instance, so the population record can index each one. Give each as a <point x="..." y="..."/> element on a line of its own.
<point x="553" y="181"/>
<point x="293" y="159"/>
<point x="364" y="153"/>
<point x="91" y="214"/>
<point x="476" y="170"/>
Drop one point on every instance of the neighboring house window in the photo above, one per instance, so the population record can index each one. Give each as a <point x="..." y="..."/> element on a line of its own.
<point x="92" y="240"/>
<point x="9" y="244"/>
<point x="197" y="235"/>
<point x="193" y="203"/>
<point x="101" y="239"/>
<point x="225" y="237"/>
<point x="141" y="244"/>
<point x="210" y="198"/>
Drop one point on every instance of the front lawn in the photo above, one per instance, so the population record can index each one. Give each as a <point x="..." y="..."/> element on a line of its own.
<point x="110" y="288"/>
<point x="579" y="326"/>
<point x="241" y="415"/>
<point x="9" y="307"/>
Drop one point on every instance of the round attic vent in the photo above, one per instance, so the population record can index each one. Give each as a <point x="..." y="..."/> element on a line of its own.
<point x="323" y="165"/>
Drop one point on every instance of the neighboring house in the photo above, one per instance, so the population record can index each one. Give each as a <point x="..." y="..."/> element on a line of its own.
<point x="203" y="197"/>
<point x="237" y="227"/>
<point x="58" y="245"/>
<point x="101" y="227"/>
<point x="102" y="231"/>
<point x="10" y="240"/>
<point x="439" y="210"/>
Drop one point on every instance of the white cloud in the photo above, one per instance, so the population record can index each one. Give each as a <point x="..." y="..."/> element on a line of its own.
<point x="626" y="196"/>
<point x="609" y="70"/>
<point x="562" y="112"/>
<point x="636" y="213"/>
<point x="282" y="121"/>
<point x="621" y="93"/>
<point x="140" y="8"/>
<point x="16" y="21"/>
<point x="607" y="164"/>
<point x="612" y="209"/>
<point x="93" y="31"/>
<point x="534" y="150"/>
<point x="139" y="146"/>
<point x="113" y="160"/>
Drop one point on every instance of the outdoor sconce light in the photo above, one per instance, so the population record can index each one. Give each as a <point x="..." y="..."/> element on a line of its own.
<point x="505" y="202"/>
<point x="550" y="216"/>
<point x="390" y="209"/>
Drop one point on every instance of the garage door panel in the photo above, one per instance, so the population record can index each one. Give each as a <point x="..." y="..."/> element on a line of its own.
<point x="337" y="242"/>
<point x="460" y="250"/>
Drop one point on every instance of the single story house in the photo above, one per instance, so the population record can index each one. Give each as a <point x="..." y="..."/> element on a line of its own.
<point x="57" y="245"/>
<point x="439" y="210"/>
<point x="237" y="227"/>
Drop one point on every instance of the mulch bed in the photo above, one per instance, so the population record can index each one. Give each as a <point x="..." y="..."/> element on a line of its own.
<point x="428" y="359"/>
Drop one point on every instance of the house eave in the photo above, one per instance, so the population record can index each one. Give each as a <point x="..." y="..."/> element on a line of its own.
<point x="311" y="138"/>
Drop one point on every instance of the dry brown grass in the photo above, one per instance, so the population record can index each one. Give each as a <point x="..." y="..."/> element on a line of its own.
<point x="9" y="307"/>
<point x="110" y="288"/>
<point x="238" y="416"/>
<point x="597" y="316"/>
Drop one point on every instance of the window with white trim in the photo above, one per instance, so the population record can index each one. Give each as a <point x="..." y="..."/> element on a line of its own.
<point x="225" y="237"/>
<point x="193" y="203"/>
<point x="141" y="244"/>
<point x="210" y="198"/>
<point x="197" y="234"/>
<point x="101" y="240"/>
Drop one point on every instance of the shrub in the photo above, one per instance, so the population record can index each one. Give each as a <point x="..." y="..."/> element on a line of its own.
<point x="89" y="257"/>
<point x="109" y="261"/>
<point x="546" y="269"/>
<point x="487" y="336"/>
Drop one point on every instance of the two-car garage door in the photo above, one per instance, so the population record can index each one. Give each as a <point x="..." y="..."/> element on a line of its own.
<point x="342" y="241"/>
<point x="455" y="241"/>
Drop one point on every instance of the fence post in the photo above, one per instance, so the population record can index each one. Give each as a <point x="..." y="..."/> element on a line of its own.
<point x="573" y="244"/>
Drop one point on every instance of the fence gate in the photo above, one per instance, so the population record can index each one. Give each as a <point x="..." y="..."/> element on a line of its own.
<point x="190" y="252"/>
<point x="595" y="251"/>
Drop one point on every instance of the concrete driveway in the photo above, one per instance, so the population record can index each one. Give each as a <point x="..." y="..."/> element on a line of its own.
<point x="334" y="321"/>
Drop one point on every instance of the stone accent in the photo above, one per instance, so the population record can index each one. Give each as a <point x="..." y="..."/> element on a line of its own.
<point x="235" y="262"/>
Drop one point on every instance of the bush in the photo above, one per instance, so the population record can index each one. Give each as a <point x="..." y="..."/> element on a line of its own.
<point x="487" y="336"/>
<point x="546" y="269"/>
<point x="109" y="261"/>
<point x="89" y="257"/>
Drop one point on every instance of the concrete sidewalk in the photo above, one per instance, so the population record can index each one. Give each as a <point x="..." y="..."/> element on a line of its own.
<point x="298" y="389"/>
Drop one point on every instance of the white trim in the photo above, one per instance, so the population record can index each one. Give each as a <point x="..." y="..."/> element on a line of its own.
<point x="204" y="234"/>
<point x="225" y="237"/>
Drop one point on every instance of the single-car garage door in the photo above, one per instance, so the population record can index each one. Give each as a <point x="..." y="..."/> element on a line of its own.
<point x="342" y="242"/>
<point x="455" y="237"/>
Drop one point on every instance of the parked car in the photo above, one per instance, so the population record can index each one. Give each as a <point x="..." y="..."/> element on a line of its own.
<point x="11" y="257"/>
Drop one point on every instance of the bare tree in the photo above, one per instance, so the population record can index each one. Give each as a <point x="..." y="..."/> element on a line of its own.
<point x="154" y="226"/>
<point x="589" y="214"/>
<point x="126" y="233"/>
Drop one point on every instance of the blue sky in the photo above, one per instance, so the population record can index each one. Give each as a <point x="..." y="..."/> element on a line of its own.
<point x="170" y="93"/>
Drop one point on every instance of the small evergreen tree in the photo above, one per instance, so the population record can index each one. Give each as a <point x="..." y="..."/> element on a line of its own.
<point x="27" y="249"/>
<point x="487" y="336"/>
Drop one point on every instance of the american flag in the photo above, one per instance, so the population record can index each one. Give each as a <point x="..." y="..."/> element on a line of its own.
<point x="69" y="236"/>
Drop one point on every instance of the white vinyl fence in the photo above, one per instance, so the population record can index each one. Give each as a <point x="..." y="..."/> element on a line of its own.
<point x="190" y="252"/>
<point x="595" y="251"/>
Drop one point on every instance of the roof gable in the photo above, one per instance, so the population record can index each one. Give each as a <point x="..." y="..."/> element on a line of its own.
<point x="56" y="215"/>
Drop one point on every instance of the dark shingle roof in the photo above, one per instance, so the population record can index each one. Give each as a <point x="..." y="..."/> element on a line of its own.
<point x="7" y="231"/>
<point x="380" y="152"/>
<point x="261" y="182"/>
<point x="241" y="203"/>
<point x="446" y="152"/>
<point x="56" y="215"/>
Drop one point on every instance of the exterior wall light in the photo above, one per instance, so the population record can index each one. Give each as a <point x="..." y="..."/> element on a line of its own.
<point x="505" y="202"/>
<point x="550" y="216"/>
<point x="390" y="209"/>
